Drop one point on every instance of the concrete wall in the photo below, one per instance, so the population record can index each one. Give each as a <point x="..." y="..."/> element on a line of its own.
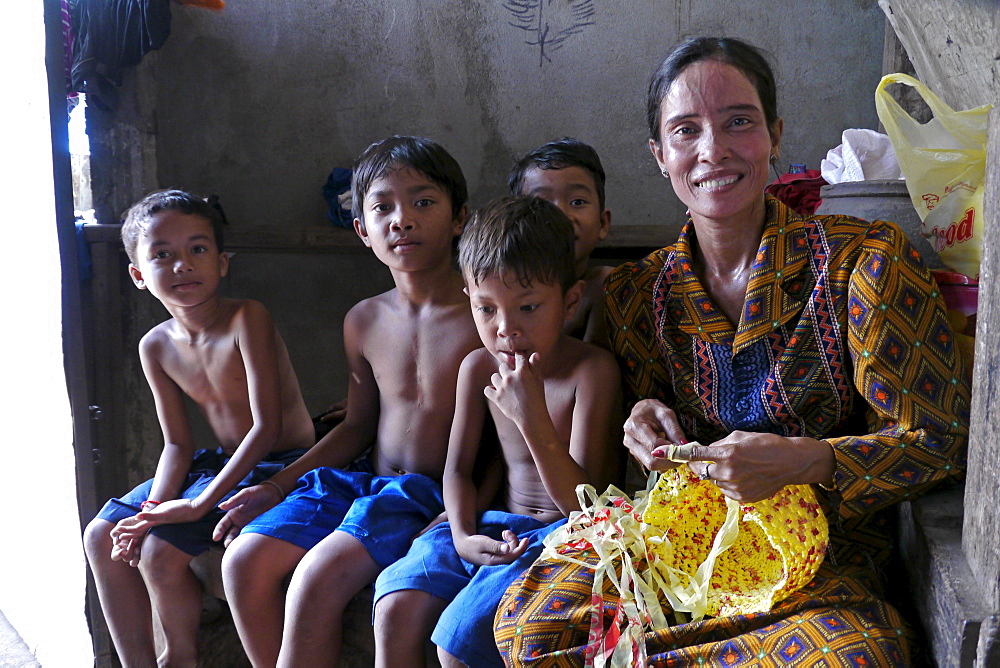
<point x="259" y="102"/>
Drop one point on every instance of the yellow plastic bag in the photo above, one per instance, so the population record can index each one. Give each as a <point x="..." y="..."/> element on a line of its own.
<point x="681" y="541"/>
<point x="944" y="162"/>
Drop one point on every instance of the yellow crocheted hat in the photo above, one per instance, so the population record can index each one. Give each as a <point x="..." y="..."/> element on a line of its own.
<point x="681" y="541"/>
<point x="730" y="558"/>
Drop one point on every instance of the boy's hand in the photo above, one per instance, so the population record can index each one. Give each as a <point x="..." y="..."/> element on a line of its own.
<point x="175" y="511"/>
<point x="486" y="551"/>
<point x="335" y="413"/>
<point x="126" y="542"/>
<point x="518" y="392"/>
<point x="443" y="517"/>
<point x="129" y="532"/>
<point x="241" y="508"/>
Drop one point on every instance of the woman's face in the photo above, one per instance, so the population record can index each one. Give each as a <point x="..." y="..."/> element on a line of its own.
<point x="715" y="144"/>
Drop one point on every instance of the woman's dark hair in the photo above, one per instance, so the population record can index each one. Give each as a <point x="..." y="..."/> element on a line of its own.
<point x="744" y="57"/>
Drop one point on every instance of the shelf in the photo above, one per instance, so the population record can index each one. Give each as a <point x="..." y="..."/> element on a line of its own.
<point x="332" y="239"/>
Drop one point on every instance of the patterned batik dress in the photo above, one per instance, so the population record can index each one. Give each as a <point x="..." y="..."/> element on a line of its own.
<point x="843" y="337"/>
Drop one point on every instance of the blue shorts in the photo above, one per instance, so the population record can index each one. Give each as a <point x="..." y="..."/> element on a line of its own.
<point x="196" y="537"/>
<point x="383" y="512"/>
<point x="465" y="628"/>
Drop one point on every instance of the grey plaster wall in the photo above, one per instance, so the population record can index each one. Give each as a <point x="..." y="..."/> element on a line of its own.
<point x="260" y="101"/>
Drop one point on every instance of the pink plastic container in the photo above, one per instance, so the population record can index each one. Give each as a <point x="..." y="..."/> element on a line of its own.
<point x="961" y="298"/>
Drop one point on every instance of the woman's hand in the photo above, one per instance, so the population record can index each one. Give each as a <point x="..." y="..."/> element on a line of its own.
<point x="652" y="425"/>
<point x="749" y="466"/>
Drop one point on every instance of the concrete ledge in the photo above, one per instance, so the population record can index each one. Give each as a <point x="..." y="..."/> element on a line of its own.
<point x="962" y="630"/>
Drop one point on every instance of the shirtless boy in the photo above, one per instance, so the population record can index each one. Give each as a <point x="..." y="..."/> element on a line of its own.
<point x="569" y="174"/>
<point x="226" y="355"/>
<point x="555" y="404"/>
<point x="338" y="528"/>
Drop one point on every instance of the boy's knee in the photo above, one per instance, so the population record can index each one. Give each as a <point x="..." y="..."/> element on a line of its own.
<point x="320" y="581"/>
<point x="236" y="559"/>
<point x="97" y="539"/>
<point x="245" y="557"/>
<point x="242" y="566"/>
<point x="251" y="567"/>
<point x="389" y="609"/>
<point x="393" y="619"/>
<point x="162" y="561"/>
<point x="406" y="612"/>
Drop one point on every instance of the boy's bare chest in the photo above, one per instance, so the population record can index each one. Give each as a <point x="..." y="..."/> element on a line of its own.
<point x="208" y="372"/>
<point x="419" y="363"/>
<point x="560" y="400"/>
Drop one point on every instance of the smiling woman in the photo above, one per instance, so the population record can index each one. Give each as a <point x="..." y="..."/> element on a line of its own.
<point x="715" y="144"/>
<point x="792" y="346"/>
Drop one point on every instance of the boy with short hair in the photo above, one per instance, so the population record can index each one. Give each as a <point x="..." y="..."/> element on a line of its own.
<point x="568" y="173"/>
<point x="339" y="528"/>
<point x="226" y="355"/>
<point x="555" y="403"/>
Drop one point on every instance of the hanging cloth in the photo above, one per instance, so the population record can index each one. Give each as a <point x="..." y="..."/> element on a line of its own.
<point x="110" y="36"/>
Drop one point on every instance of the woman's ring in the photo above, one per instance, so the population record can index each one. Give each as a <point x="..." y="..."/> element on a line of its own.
<point x="704" y="475"/>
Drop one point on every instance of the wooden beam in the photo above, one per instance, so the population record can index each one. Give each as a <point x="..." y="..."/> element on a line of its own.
<point x="954" y="46"/>
<point x="981" y="537"/>
<point x="895" y="60"/>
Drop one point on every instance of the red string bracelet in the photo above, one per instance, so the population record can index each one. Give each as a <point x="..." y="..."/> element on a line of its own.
<point x="148" y="503"/>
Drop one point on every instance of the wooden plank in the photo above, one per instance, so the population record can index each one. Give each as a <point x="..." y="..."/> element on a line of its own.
<point x="981" y="535"/>
<point x="123" y="144"/>
<point x="953" y="45"/>
<point x="895" y="60"/>
<point x="105" y="359"/>
<point x="988" y="651"/>
<point x="982" y="519"/>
